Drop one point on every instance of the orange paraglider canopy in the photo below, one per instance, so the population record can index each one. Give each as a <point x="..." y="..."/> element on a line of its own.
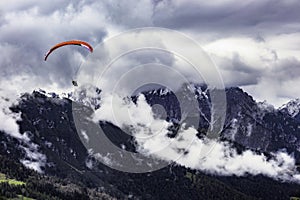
<point x="71" y="42"/>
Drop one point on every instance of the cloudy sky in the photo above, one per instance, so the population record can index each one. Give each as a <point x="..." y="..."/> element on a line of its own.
<point x="255" y="44"/>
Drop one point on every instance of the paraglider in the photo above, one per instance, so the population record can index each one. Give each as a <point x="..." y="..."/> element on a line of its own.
<point x="71" y="42"/>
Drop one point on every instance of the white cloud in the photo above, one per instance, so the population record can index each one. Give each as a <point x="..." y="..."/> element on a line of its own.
<point x="8" y="121"/>
<point x="33" y="158"/>
<point x="186" y="149"/>
<point x="7" y="117"/>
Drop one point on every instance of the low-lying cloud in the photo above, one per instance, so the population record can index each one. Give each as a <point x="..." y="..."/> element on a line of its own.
<point x="211" y="156"/>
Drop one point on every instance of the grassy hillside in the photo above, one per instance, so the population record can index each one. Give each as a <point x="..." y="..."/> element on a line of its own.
<point x="18" y="182"/>
<point x="4" y="179"/>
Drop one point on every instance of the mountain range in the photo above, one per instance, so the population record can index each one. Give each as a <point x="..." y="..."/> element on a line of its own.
<point x="52" y="146"/>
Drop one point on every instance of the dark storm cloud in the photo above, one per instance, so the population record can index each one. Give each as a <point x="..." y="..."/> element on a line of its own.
<point x="45" y="7"/>
<point x="241" y="74"/>
<point x="129" y="13"/>
<point x="247" y="17"/>
<point x="153" y="56"/>
<point x="279" y="83"/>
<point x="237" y="73"/>
<point x="238" y="65"/>
<point x="286" y="70"/>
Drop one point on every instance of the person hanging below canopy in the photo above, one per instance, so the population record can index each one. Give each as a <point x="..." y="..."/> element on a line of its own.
<point x="71" y="42"/>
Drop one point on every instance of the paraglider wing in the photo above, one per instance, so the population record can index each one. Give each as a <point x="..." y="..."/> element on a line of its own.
<point x="71" y="42"/>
